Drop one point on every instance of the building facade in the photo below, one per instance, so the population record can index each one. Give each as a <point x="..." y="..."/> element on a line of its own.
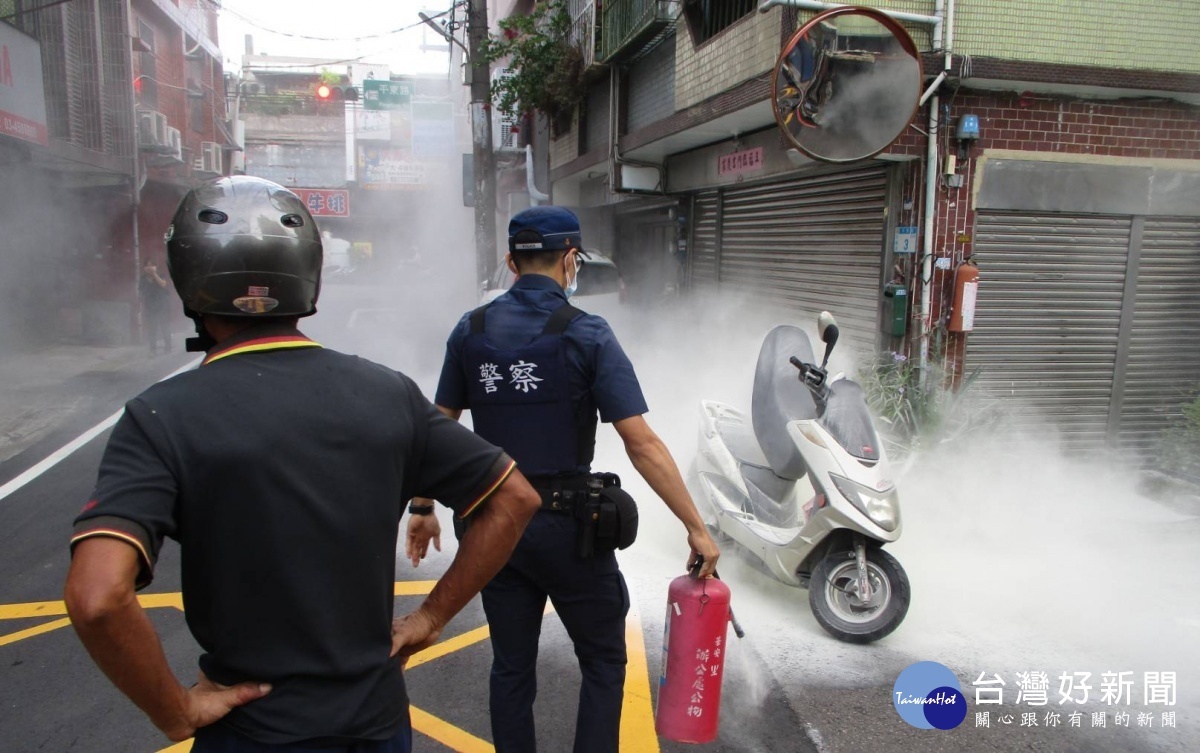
<point x="119" y="111"/>
<point x="1076" y="198"/>
<point x="371" y="153"/>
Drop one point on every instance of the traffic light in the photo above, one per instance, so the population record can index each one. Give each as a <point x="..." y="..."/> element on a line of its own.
<point x="336" y="93"/>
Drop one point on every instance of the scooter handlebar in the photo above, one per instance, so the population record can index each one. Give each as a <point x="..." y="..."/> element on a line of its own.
<point x="811" y="375"/>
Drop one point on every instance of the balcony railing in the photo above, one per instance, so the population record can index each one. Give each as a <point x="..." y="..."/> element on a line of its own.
<point x="632" y="28"/>
<point x="583" y="29"/>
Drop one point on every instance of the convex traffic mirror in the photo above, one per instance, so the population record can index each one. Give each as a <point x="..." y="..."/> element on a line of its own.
<point x="846" y="84"/>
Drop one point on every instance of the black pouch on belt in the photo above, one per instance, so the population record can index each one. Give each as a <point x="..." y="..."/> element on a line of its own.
<point x="609" y="519"/>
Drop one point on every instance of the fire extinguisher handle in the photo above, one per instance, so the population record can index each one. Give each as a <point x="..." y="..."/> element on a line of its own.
<point x="694" y="570"/>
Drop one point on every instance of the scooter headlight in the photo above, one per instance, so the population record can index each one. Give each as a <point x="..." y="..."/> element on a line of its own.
<point x="880" y="506"/>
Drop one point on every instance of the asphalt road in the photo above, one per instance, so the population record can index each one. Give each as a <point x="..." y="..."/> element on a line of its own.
<point x="52" y="698"/>
<point x="1016" y="564"/>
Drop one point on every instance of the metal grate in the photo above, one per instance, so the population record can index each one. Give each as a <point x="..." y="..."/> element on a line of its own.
<point x="708" y="18"/>
<point x="116" y="81"/>
<point x="633" y="28"/>
<point x="83" y="68"/>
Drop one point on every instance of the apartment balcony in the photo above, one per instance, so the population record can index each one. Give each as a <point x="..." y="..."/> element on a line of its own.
<point x="631" y="28"/>
<point x="584" y="33"/>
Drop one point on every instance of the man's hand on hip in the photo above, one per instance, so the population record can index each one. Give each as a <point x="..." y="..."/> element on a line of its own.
<point x="207" y="702"/>
<point x="413" y="632"/>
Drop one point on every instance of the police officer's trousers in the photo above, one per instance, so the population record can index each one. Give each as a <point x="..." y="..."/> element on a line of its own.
<point x="592" y="600"/>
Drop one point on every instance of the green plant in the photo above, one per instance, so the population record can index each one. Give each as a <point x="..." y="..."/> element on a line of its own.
<point x="915" y="414"/>
<point x="1180" y="448"/>
<point x="545" y="69"/>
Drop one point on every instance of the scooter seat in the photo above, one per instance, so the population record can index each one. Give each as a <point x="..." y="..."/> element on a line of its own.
<point x="739" y="438"/>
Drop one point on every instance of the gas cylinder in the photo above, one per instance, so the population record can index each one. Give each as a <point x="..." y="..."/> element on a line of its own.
<point x="689" y="688"/>
<point x="966" y="289"/>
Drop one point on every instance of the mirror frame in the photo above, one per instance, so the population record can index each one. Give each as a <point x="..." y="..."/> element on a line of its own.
<point x="892" y="25"/>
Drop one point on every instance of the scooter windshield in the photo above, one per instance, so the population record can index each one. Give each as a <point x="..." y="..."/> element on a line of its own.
<point x="848" y="420"/>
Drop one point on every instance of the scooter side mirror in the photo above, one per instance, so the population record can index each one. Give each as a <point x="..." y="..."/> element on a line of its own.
<point x="828" y="329"/>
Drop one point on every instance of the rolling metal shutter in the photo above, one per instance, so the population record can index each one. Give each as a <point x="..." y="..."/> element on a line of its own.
<point x="813" y="243"/>
<point x="1048" y="318"/>
<point x="1162" y="370"/>
<point x="702" y="269"/>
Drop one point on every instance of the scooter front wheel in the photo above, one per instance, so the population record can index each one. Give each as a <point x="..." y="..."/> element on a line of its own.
<point x="834" y="596"/>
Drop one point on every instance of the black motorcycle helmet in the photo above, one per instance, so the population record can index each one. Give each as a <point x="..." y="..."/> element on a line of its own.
<point x="242" y="246"/>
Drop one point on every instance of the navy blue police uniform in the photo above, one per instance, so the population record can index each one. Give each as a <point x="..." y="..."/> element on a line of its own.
<point x="281" y="468"/>
<point x="535" y="372"/>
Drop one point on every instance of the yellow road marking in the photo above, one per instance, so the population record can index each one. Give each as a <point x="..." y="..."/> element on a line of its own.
<point x="447" y="734"/>
<point x="637" y="712"/>
<point x="448" y="646"/>
<point x="38" y="630"/>
<point x="413" y="587"/>
<point x="32" y="609"/>
<point x="58" y="608"/>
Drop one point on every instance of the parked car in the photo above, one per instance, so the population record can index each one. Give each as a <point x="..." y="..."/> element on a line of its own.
<point x="600" y="286"/>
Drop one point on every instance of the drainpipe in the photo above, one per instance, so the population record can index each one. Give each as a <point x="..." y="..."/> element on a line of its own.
<point x="931" y="176"/>
<point x="535" y="196"/>
<point x="614" y="118"/>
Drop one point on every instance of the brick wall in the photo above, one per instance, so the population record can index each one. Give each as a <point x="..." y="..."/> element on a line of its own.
<point x="652" y="86"/>
<point x="565" y="146"/>
<point x="746" y="49"/>
<point x="1106" y="130"/>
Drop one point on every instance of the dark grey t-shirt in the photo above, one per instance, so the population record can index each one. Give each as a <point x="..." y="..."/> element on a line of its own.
<point x="282" y="469"/>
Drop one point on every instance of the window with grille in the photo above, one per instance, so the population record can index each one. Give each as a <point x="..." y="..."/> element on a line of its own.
<point x="147" y="69"/>
<point x="708" y="18"/>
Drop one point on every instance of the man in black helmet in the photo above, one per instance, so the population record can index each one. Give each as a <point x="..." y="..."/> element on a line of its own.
<point x="281" y="469"/>
<point x="535" y="372"/>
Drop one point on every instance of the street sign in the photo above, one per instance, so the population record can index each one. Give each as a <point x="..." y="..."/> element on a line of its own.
<point x="325" y="202"/>
<point x="386" y="95"/>
<point x="905" y="241"/>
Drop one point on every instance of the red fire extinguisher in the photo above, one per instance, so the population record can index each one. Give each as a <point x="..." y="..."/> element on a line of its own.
<point x="694" y="644"/>
<point x="966" y="289"/>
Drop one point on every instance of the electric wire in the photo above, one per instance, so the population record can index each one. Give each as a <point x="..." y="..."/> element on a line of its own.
<point x="261" y="27"/>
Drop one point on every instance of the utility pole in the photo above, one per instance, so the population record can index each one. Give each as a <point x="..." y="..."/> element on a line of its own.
<point x="481" y="132"/>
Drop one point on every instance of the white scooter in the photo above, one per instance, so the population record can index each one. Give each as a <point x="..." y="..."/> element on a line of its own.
<point x="804" y="486"/>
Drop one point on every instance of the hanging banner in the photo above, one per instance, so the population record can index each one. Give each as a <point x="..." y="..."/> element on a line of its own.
<point x="22" y="93"/>
<point x="744" y="161"/>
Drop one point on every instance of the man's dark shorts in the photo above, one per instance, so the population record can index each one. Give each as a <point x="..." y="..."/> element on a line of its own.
<point x="219" y="739"/>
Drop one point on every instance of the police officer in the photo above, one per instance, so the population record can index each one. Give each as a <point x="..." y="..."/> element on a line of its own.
<point x="281" y="468"/>
<point x="534" y="371"/>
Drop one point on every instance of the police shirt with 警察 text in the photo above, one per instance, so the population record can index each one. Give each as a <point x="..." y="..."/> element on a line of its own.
<point x="601" y="376"/>
<point x="282" y="468"/>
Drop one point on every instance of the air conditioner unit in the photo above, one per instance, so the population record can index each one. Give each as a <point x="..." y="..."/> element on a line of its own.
<point x="174" y="144"/>
<point x="211" y="158"/>
<point x="160" y="128"/>
<point x="151" y="129"/>
<point x="507" y="127"/>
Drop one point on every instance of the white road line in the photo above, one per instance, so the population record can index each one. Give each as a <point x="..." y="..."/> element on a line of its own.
<point x="814" y="735"/>
<point x="65" y="451"/>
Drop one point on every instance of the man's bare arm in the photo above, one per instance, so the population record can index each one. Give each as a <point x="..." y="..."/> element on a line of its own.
<point x="652" y="459"/>
<point x="105" y="612"/>
<point x="496" y="527"/>
<point x="422" y="529"/>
